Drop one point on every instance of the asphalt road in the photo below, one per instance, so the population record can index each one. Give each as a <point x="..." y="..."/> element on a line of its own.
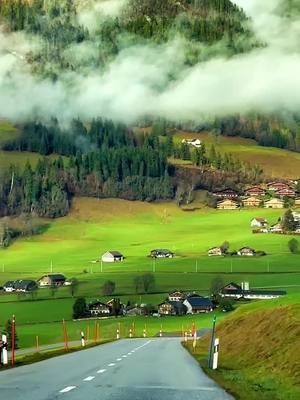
<point x="140" y="369"/>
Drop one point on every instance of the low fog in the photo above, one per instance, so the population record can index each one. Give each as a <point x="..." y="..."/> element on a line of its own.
<point x="137" y="82"/>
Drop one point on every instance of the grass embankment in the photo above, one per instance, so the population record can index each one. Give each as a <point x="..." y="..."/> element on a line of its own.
<point x="275" y="162"/>
<point x="259" y="350"/>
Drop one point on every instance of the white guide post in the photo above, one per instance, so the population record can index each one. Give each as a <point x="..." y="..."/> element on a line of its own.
<point x="216" y="353"/>
<point x="82" y="339"/>
<point x="4" y="350"/>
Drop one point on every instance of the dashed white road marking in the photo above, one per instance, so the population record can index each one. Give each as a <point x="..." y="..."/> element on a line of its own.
<point x="101" y="371"/>
<point x="124" y="356"/>
<point x="89" y="378"/>
<point x="111" y="364"/>
<point x="67" y="389"/>
<point x="119" y="359"/>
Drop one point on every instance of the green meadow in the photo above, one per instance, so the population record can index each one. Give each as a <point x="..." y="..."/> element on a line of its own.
<point x="73" y="245"/>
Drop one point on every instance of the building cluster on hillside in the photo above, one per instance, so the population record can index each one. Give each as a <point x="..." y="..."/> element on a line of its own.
<point x="261" y="225"/>
<point x="28" y="285"/>
<point x="242" y="252"/>
<point x="115" y="256"/>
<point x="274" y="195"/>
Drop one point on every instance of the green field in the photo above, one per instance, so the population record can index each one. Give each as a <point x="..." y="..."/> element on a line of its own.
<point x="7" y="131"/>
<point x="73" y="244"/>
<point x="276" y="163"/>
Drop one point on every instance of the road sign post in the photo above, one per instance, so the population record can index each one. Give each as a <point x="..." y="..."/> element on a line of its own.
<point x="216" y="354"/>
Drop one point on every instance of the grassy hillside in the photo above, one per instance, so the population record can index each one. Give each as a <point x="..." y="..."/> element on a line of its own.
<point x="7" y="131"/>
<point x="258" y="350"/>
<point x="275" y="162"/>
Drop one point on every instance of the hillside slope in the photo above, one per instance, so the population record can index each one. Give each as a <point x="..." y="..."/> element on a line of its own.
<point x="258" y="350"/>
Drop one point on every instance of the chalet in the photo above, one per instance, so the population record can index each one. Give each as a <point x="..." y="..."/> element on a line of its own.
<point x="296" y="216"/>
<point x="196" y="304"/>
<point x="226" y="194"/>
<point x="251" y="202"/>
<point x="176" y="296"/>
<point x="286" y="192"/>
<point x="24" y="285"/>
<point x="277" y="228"/>
<point x="51" y="280"/>
<point x="246" y="252"/>
<point x="255" y="191"/>
<point x="172" y="308"/>
<point x="112" y="256"/>
<point x="216" y="251"/>
<point x="274" y="203"/>
<point x="227" y="205"/>
<point x="192" y="142"/>
<point x="275" y="186"/>
<point x="235" y="291"/>
<point x="97" y="308"/>
<point x="162" y="253"/>
<point x="259" y="223"/>
<point x="9" y="287"/>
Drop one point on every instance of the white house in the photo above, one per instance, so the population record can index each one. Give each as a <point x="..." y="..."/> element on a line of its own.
<point x="193" y="142"/>
<point x="259" y="223"/>
<point x="112" y="256"/>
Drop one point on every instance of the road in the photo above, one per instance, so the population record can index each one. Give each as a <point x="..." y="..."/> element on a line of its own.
<point x="140" y="369"/>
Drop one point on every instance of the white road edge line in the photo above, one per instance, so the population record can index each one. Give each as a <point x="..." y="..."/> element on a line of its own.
<point x="89" y="378"/>
<point x="67" y="389"/>
<point x="101" y="371"/>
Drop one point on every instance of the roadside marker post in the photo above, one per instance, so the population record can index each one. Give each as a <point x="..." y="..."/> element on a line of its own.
<point x="13" y="330"/>
<point x="3" y="351"/>
<point x="82" y="339"/>
<point x="37" y="344"/>
<point x="216" y="353"/>
<point x="212" y="338"/>
<point x="65" y="335"/>
<point x="130" y="333"/>
<point x="160" y="331"/>
<point x="185" y="336"/>
<point x="145" y="332"/>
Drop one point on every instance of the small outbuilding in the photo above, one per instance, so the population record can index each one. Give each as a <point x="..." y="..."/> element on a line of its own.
<point x="246" y="252"/>
<point x="112" y="256"/>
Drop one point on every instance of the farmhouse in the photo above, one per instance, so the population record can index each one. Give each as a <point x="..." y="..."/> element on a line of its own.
<point x="246" y="252"/>
<point x="9" y="286"/>
<point x="161" y="253"/>
<point x="235" y="291"/>
<point x="216" y="251"/>
<point x="227" y="205"/>
<point x="226" y="194"/>
<point x="172" y="308"/>
<point x="251" y="202"/>
<point x="275" y="186"/>
<point x="112" y="256"/>
<point x="259" y="223"/>
<point x="255" y="191"/>
<point x="176" y="296"/>
<point x="192" y="142"/>
<point x="286" y="192"/>
<point x="274" y="203"/>
<point x="97" y="308"/>
<point x="24" y="285"/>
<point x="51" y="280"/>
<point x="196" y="304"/>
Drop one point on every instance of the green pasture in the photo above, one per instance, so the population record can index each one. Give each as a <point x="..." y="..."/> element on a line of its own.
<point x="7" y="131"/>
<point x="73" y="245"/>
<point x="277" y="163"/>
